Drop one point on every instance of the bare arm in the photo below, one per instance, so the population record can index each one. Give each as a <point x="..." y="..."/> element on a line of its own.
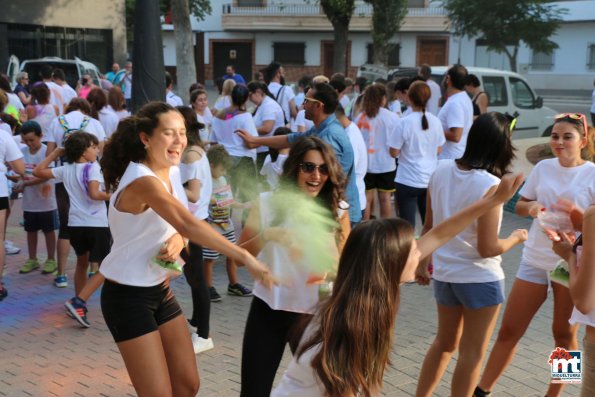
<point x="266" y="127"/>
<point x="345" y="230"/>
<point x="275" y="142"/>
<point x="525" y="207"/>
<point x="394" y="153"/>
<point x="447" y="229"/>
<point x="95" y="193"/>
<point x="42" y="169"/>
<point x="24" y="98"/>
<point x="192" y="190"/>
<point x="292" y="108"/>
<point x="482" y="103"/>
<point x="453" y="134"/>
<point x="18" y="166"/>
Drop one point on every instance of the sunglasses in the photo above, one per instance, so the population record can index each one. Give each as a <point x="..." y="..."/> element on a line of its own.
<point x="309" y="168"/>
<point x="307" y="99"/>
<point x="574" y="116"/>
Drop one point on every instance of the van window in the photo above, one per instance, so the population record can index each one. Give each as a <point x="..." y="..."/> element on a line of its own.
<point x="522" y="96"/>
<point x="495" y="87"/>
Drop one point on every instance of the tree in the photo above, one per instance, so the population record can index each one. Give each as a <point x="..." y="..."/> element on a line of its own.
<point x="387" y="18"/>
<point x="506" y="23"/>
<point x="185" y="64"/>
<point x="339" y="14"/>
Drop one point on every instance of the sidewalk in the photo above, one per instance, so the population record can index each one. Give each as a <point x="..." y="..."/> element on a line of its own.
<point x="44" y="353"/>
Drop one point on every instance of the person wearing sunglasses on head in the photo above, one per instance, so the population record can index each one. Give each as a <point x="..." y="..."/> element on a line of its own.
<point x="275" y="231"/>
<point x="320" y="104"/>
<point x="570" y="175"/>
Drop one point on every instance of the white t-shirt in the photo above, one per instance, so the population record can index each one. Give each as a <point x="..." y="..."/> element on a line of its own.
<point x="14" y="100"/>
<point x="593" y="102"/>
<point x="302" y="121"/>
<point x="9" y="151"/>
<point x="457" y="112"/>
<point x="271" y="170"/>
<point x="436" y="93"/>
<point x="360" y="161"/>
<point x="45" y="116"/>
<point x="268" y="110"/>
<point x="458" y="260"/>
<point x="377" y="132"/>
<point x="395" y="107"/>
<point x="40" y="197"/>
<point x="419" y="149"/>
<point x="139" y="237"/>
<point x="109" y="121"/>
<point x="224" y="133"/>
<point x="344" y="101"/>
<point x="84" y="211"/>
<point x="127" y="82"/>
<point x="173" y="99"/>
<point x="120" y="113"/>
<point x="200" y="170"/>
<point x="548" y="182"/>
<point x="206" y="119"/>
<point x="74" y="120"/>
<point x="283" y="98"/>
<point x="56" y="95"/>
<point x="224" y="101"/>
<point x="68" y="93"/>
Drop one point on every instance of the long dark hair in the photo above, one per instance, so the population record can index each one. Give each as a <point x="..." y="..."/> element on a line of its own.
<point x="488" y="145"/>
<point x="373" y="99"/>
<point x="98" y="100"/>
<point x="125" y="145"/>
<point x="356" y="322"/>
<point x="193" y="126"/>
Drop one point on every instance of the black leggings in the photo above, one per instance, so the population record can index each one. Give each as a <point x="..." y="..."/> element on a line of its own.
<point x="408" y="199"/>
<point x="201" y="303"/>
<point x="267" y="331"/>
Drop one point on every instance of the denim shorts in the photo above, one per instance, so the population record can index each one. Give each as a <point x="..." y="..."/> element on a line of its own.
<point x="470" y="295"/>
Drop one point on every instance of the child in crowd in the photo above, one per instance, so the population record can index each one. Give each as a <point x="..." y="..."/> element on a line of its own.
<point x="87" y="217"/>
<point x="273" y="163"/>
<point x="40" y="210"/>
<point x="220" y="207"/>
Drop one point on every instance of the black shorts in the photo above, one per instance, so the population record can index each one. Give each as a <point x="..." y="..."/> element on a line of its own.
<point x="130" y="312"/>
<point x="63" y="207"/>
<point x="3" y="204"/>
<point x="46" y="221"/>
<point x="94" y="240"/>
<point x="384" y="182"/>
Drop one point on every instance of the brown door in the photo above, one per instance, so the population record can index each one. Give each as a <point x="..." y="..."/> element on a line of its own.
<point x="432" y="51"/>
<point x="238" y="54"/>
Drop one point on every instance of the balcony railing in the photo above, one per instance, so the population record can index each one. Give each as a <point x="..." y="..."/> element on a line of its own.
<point x="361" y="10"/>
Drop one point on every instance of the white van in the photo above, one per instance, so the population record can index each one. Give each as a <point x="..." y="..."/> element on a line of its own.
<point x="74" y="69"/>
<point x="508" y="92"/>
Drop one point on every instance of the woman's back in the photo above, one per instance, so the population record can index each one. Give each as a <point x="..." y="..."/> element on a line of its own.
<point x="224" y="129"/>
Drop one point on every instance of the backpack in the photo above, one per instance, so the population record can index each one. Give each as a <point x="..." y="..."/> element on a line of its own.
<point x="67" y="130"/>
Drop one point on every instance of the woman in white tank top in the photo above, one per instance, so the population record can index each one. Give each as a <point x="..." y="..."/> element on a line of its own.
<point x="148" y="206"/>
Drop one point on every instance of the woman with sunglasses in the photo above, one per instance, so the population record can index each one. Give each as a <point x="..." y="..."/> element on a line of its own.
<point x="568" y="176"/>
<point x="311" y="172"/>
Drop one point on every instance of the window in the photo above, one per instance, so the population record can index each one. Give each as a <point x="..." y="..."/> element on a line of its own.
<point x="542" y="61"/>
<point x="394" y="55"/>
<point x="495" y="87"/>
<point x="250" y="3"/>
<point x="591" y="57"/>
<point x="290" y="53"/>
<point x="416" y="3"/>
<point x="522" y="96"/>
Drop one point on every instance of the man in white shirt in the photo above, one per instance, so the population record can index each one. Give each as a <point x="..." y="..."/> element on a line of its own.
<point x="170" y="97"/>
<point x="274" y="76"/>
<point x="425" y="72"/>
<point x="68" y="92"/>
<point x="56" y="91"/>
<point x="456" y="115"/>
<point x="127" y="85"/>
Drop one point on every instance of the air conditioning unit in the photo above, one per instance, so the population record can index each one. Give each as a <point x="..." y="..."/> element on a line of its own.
<point x="524" y="68"/>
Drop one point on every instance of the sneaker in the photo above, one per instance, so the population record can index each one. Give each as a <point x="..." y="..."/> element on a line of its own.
<point x="61" y="281"/>
<point x="238" y="290"/>
<point x="214" y="295"/>
<point x="10" y="248"/>
<point x="29" y="266"/>
<point x="3" y="293"/>
<point x="201" y="344"/>
<point x="49" y="266"/>
<point x="77" y="308"/>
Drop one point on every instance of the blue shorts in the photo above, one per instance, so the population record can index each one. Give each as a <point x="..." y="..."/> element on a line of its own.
<point x="470" y="295"/>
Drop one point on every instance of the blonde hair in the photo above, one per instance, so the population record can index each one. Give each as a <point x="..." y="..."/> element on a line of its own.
<point x="228" y="86"/>
<point x="320" y="79"/>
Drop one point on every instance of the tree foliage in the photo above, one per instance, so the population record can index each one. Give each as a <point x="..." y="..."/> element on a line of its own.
<point x="339" y="13"/>
<point x="506" y="23"/>
<point x="387" y="18"/>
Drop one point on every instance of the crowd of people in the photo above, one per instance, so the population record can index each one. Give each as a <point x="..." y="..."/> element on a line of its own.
<point x="316" y="179"/>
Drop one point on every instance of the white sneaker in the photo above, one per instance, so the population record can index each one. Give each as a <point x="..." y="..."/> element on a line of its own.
<point x="201" y="344"/>
<point x="10" y="248"/>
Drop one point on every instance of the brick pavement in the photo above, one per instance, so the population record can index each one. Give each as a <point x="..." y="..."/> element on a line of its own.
<point x="44" y="353"/>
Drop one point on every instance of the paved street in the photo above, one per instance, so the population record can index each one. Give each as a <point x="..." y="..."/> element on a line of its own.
<point x="45" y="353"/>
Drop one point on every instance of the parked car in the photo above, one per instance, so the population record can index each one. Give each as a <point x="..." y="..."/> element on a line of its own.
<point x="73" y="68"/>
<point x="508" y="92"/>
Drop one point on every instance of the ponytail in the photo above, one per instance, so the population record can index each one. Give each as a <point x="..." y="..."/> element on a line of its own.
<point x="424" y="120"/>
<point x="588" y="152"/>
<point x="125" y="145"/>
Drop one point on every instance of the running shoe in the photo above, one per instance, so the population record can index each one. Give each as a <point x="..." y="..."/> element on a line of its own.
<point x="238" y="290"/>
<point x="214" y="295"/>
<point x="10" y="248"/>
<point x="29" y="266"/>
<point x="77" y="308"/>
<point x="49" y="266"/>
<point x="201" y="344"/>
<point x="61" y="281"/>
<point x="3" y="293"/>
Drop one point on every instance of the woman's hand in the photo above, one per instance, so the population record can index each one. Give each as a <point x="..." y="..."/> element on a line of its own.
<point x="259" y="271"/>
<point x="575" y="213"/>
<point x="171" y="248"/>
<point x="249" y="140"/>
<point x="422" y="274"/>
<point x="563" y="245"/>
<point x="520" y="235"/>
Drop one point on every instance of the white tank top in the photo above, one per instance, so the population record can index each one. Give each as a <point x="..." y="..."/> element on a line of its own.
<point x="139" y="237"/>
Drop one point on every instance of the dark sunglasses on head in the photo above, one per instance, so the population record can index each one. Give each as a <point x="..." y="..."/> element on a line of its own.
<point x="308" y="168"/>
